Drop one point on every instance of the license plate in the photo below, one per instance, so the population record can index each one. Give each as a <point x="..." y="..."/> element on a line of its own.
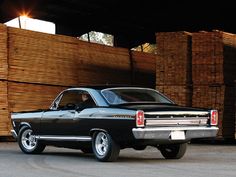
<point x="177" y="135"/>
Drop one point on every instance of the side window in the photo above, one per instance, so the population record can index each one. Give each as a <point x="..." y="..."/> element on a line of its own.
<point x="70" y="100"/>
<point x="76" y="100"/>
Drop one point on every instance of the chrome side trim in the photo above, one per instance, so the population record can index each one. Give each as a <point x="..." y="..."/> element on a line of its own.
<point x="166" y="122"/>
<point x="63" y="138"/>
<point x="163" y="133"/>
<point x="14" y="134"/>
<point x="197" y="113"/>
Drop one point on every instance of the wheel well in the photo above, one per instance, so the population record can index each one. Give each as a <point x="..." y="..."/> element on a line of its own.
<point x="94" y="130"/>
<point x="24" y="124"/>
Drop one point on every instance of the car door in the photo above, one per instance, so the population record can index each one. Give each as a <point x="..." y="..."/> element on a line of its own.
<point x="61" y="120"/>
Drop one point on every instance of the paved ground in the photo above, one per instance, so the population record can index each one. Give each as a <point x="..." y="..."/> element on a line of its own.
<point x="199" y="161"/>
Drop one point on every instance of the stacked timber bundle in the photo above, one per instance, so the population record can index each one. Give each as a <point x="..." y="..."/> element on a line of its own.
<point x="4" y="114"/>
<point x="181" y="95"/>
<point x="143" y="68"/>
<point x="218" y="97"/>
<point x="28" y="97"/>
<point x="61" y="60"/>
<point x="213" y="58"/>
<point x="3" y="52"/>
<point x="173" y="66"/>
<point x="213" y="74"/>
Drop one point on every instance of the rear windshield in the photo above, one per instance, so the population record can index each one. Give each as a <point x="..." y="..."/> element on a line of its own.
<point x="133" y="95"/>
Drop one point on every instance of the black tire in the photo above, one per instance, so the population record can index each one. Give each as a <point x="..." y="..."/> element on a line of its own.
<point x="104" y="147"/>
<point x="28" y="143"/>
<point x="173" y="151"/>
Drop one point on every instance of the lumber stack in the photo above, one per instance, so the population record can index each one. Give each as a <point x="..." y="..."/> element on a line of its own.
<point x="180" y="94"/>
<point x="213" y="73"/>
<point x="173" y="66"/>
<point x="3" y="52"/>
<point x="28" y="97"/>
<point x="58" y="60"/>
<point x="4" y="113"/>
<point x="143" y="68"/>
<point x="218" y="97"/>
<point x="213" y="58"/>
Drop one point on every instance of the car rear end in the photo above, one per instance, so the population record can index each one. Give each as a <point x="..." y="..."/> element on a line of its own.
<point x="175" y="126"/>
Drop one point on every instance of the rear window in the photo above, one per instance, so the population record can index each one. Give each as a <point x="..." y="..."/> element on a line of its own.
<point x="133" y="95"/>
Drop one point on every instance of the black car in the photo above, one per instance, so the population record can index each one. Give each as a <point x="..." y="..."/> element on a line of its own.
<point x="104" y="120"/>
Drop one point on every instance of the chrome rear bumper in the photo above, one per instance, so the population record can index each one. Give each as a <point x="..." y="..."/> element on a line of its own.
<point x="164" y="133"/>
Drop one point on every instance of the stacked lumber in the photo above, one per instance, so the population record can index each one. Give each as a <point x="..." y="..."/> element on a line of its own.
<point x="173" y="65"/>
<point x="4" y="115"/>
<point x="58" y="60"/>
<point x="3" y="52"/>
<point x="213" y="75"/>
<point x="143" y="68"/>
<point x="218" y="97"/>
<point x="180" y="94"/>
<point x="28" y="97"/>
<point x="174" y="58"/>
<point x="213" y="58"/>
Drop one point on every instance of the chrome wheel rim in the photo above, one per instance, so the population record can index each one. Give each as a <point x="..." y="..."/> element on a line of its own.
<point x="28" y="140"/>
<point x="101" y="143"/>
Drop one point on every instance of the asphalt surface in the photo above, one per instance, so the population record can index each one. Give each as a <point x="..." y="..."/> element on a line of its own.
<point x="199" y="161"/>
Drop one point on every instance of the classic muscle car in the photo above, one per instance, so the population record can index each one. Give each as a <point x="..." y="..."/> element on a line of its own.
<point x="113" y="118"/>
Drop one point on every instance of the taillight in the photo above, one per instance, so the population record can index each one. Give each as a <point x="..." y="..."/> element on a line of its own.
<point x="214" y="117"/>
<point x="140" y="119"/>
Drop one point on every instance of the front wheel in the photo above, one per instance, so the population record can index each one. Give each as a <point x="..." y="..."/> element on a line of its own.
<point x="104" y="147"/>
<point x="28" y="142"/>
<point x="173" y="151"/>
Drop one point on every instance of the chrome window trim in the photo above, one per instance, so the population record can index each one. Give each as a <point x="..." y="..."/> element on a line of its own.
<point x="133" y="88"/>
<point x="59" y="97"/>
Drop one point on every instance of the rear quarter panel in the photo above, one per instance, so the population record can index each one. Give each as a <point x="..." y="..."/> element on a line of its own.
<point x="117" y="122"/>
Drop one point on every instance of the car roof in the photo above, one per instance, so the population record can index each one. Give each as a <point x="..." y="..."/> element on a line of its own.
<point x="101" y="87"/>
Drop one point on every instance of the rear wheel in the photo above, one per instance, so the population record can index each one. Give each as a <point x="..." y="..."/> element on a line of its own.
<point x="173" y="151"/>
<point x="28" y="142"/>
<point x="104" y="147"/>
